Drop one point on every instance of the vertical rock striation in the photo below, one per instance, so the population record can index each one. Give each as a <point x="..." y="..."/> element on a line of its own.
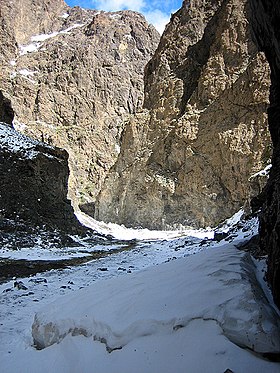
<point x="266" y="28"/>
<point x="188" y="156"/>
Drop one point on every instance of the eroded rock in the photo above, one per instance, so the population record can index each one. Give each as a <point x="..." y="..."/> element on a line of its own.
<point x="73" y="76"/>
<point x="33" y="182"/>
<point x="187" y="158"/>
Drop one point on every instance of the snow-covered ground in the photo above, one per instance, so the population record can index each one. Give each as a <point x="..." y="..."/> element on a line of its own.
<point x="123" y="233"/>
<point x="185" y="304"/>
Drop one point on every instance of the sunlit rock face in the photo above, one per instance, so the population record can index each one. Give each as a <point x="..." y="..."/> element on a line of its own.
<point x="266" y="27"/>
<point x="73" y="76"/>
<point x="188" y="156"/>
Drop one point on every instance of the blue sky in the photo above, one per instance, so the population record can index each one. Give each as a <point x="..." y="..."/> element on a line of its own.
<point x="156" y="12"/>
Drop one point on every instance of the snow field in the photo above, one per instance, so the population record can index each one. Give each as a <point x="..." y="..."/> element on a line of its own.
<point x="218" y="285"/>
<point x="123" y="233"/>
<point x="203" y="313"/>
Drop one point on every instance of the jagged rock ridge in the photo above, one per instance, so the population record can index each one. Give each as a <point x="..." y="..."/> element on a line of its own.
<point x="73" y="76"/>
<point x="187" y="157"/>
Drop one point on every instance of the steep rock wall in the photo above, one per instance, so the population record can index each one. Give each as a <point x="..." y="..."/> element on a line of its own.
<point x="188" y="157"/>
<point x="265" y="23"/>
<point x="24" y="18"/>
<point x="73" y="76"/>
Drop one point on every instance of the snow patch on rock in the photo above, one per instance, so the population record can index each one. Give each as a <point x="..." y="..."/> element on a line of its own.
<point x="264" y="172"/>
<point x="37" y="40"/>
<point x="14" y="141"/>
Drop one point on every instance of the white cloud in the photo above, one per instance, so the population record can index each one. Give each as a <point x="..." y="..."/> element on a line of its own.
<point x="114" y="5"/>
<point x="158" y="19"/>
<point x="150" y="9"/>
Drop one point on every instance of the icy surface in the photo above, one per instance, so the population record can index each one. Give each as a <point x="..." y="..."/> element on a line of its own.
<point x="194" y="313"/>
<point x="217" y="285"/>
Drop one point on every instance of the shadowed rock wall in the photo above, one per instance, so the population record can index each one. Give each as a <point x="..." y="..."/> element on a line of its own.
<point x="266" y="27"/>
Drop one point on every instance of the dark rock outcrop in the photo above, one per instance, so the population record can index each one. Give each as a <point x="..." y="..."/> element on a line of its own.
<point x="6" y="111"/>
<point x="266" y="28"/>
<point x="189" y="156"/>
<point x="33" y="182"/>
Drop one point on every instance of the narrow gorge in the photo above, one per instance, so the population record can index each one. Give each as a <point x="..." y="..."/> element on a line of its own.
<point x="122" y="149"/>
<point x="179" y="145"/>
<point x="182" y="143"/>
<point x="188" y="158"/>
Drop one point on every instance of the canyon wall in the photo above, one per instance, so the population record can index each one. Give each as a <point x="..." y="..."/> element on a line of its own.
<point x="183" y="148"/>
<point x="191" y="156"/>
<point x="266" y="28"/>
<point x="73" y="76"/>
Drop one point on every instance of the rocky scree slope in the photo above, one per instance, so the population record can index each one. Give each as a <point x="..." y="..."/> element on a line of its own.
<point x="73" y="76"/>
<point x="188" y="156"/>
<point x="265" y="24"/>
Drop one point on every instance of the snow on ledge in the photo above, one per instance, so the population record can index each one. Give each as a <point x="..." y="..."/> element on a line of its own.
<point x="26" y="72"/>
<point x="217" y="285"/>
<point x="64" y="15"/>
<point x="264" y="172"/>
<point x="37" y="40"/>
<point x="14" y="141"/>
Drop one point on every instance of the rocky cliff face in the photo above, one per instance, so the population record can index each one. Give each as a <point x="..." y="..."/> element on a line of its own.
<point x="33" y="182"/>
<point x="19" y="20"/>
<point x="73" y="76"/>
<point x="22" y="19"/>
<point x="188" y="156"/>
<point x="265" y="23"/>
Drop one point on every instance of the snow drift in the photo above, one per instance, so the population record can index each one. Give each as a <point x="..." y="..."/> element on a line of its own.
<point x="216" y="285"/>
